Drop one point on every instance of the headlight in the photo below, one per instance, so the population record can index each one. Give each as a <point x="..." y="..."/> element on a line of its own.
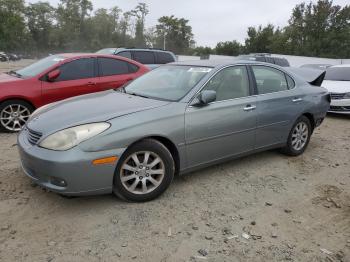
<point x="347" y="96"/>
<point x="70" y="137"/>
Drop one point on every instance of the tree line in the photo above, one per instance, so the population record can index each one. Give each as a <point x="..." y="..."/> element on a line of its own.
<point x="314" y="29"/>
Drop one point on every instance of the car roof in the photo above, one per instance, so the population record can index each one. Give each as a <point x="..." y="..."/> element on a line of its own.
<point x="216" y="62"/>
<point x="142" y="49"/>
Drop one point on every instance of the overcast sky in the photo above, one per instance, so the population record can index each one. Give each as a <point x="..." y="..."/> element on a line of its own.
<point x="213" y="21"/>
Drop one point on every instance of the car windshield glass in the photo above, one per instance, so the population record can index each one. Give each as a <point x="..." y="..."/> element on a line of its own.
<point x="106" y="51"/>
<point x="40" y="66"/>
<point x="167" y="82"/>
<point x="338" y="74"/>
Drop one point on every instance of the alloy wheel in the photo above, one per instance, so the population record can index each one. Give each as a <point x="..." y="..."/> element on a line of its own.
<point x="13" y="117"/>
<point x="142" y="172"/>
<point x="300" y="136"/>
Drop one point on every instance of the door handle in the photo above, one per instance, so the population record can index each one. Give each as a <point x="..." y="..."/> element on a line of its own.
<point x="249" y="108"/>
<point x="296" y="100"/>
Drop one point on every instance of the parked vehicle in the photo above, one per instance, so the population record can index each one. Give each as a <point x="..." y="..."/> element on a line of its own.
<point x="59" y="77"/>
<point x="3" y="57"/>
<point x="337" y="82"/>
<point x="150" y="57"/>
<point x="267" y="58"/>
<point x="13" y="57"/>
<point x="173" y="120"/>
<point x="316" y="66"/>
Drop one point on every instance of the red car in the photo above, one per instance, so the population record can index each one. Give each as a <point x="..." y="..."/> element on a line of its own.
<point x="59" y="77"/>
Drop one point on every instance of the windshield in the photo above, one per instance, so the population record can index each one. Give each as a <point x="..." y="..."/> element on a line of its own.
<point x="167" y="82"/>
<point x="106" y="51"/>
<point x="40" y="66"/>
<point x="338" y="74"/>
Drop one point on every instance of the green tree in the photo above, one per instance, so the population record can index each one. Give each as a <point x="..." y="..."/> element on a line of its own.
<point x="12" y="25"/>
<point x="174" y="34"/>
<point x="40" y="18"/>
<point x="229" y="48"/>
<point x="140" y="12"/>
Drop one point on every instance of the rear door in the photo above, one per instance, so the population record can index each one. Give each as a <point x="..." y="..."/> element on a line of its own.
<point x="225" y="127"/>
<point x="278" y="103"/>
<point x="113" y="73"/>
<point x="77" y="77"/>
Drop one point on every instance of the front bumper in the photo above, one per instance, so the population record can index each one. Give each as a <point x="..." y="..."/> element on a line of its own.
<point x="340" y="106"/>
<point x="67" y="172"/>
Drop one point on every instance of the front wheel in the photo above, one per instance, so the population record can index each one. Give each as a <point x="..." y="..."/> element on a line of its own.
<point x="144" y="172"/>
<point x="14" y="114"/>
<point x="299" y="137"/>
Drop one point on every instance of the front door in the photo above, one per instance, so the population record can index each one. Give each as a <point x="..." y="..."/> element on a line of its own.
<point x="225" y="127"/>
<point x="76" y="78"/>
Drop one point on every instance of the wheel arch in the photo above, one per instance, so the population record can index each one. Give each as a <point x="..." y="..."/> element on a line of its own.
<point x="19" y="99"/>
<point x="311" y="119"/>
<point x="170" y="145"/>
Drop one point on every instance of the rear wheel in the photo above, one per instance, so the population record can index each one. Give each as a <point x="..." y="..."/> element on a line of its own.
<point x="14" y="114"/>
<point x="299" y="137"/>
<point x="144" y="172"/>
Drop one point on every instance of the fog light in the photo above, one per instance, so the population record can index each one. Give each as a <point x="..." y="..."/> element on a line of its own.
<point x="58" y="182"/>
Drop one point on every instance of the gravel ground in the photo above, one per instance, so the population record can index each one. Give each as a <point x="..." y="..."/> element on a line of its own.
<point x="265" y="207"/>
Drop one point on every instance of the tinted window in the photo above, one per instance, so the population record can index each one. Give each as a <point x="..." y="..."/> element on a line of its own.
<point x="270" y="60"/>
<point x="126" y="54"/>
<point x="109" y="67"/>
<point x="77" y="69"/>
<point x="144" y="57"/>
<point x="164" y="58"/>
<point x="133" y="68"/>
<point x="269" y="80"/>
<point x="338" y="74"/>
<point x="281" y="62"/>
<point x="260" y="59"/>
<point x="230" y="83"/>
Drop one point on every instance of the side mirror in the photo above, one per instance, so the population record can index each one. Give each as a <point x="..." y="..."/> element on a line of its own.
<point x="53" y="75"/>
<point x="205" y="97"/>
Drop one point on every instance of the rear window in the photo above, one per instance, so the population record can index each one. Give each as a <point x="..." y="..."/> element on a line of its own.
<point x="338" y="74"/>
<point x="144" y="57"/>
<point x="109" y="67"/>
<point x="164" y="58"/>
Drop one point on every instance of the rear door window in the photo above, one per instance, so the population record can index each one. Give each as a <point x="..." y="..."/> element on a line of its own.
<point x="109" y="67"/>
<point x="269" y="80"/>
<point x="164" y="58"/>
<point x="77" y="69"/>
<point x="144" y="57"/>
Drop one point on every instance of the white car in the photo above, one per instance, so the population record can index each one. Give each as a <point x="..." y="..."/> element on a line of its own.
<point x="337" y="82"/>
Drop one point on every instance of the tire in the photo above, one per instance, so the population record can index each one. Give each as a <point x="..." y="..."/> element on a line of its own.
<point x="294" y="148"/>
<point x="14" y="114"/>
<point x="147" y="179"/>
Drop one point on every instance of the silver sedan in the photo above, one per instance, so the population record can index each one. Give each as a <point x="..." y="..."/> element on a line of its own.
<point x="173" y="120"/>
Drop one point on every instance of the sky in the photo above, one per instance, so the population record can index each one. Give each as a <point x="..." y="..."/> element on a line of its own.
<point x="213" y="21"/>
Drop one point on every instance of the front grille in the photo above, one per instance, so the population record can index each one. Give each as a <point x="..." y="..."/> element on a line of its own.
<point x="337" y="96"/>
<point x="340" y="108"/>
<point x="33" y="136"/>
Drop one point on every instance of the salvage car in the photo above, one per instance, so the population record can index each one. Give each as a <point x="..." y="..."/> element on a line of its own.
<point x="59" y="77"/>
<point x="174" y="120"/>
<point x="337" y="82"/>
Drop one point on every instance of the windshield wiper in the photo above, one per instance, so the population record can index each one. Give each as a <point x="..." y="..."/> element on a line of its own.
<point x="135" y="94"/>
<point x="15" y="73"/>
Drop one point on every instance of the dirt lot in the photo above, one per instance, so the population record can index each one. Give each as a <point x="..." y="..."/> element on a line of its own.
<point x="266" y="207"/>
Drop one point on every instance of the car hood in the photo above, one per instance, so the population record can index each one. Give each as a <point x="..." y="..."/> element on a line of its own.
<point x="90" y="108"/>
<point x="337" y="86"/>
<point x="5" y="78"/>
